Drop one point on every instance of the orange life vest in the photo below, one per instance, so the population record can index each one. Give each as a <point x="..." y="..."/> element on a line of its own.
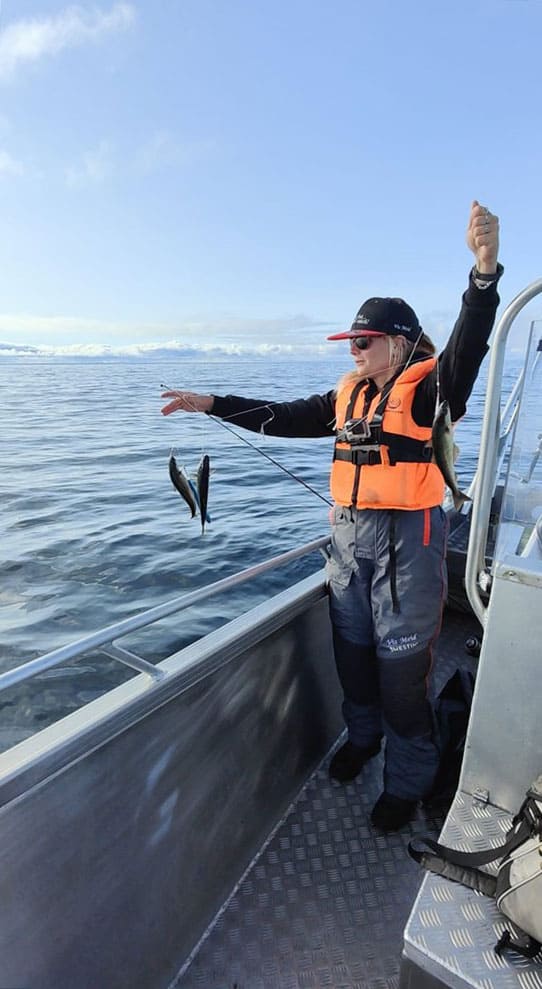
<point x="392" y="467"/>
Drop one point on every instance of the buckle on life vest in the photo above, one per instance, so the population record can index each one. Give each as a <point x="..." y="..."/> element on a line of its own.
<point x="366" y="456"/>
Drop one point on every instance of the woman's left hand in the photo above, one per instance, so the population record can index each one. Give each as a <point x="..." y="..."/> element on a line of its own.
<point x="483" y="238"/>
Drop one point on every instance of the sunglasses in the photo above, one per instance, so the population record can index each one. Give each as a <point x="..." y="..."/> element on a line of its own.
<point x="362" y="343"/>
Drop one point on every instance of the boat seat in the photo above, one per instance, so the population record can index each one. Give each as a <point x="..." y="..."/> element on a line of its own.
<point x="452" y="931"/>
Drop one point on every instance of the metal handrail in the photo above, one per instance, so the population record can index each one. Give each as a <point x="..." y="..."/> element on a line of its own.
<point x="108" y="635"/>
<point x="507" y="419"/>
<point x="487" y="463"/>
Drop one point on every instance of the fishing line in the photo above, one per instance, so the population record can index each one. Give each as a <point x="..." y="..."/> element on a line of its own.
<point x="271" y="459"/>
<point x="412" y="352"/>
<point x="234" y="415"/>
<point x="243" y="439"/>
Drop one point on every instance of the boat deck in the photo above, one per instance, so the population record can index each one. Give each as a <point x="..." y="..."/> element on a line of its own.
<point x="326" y="900"/>
<point x="324" y="904"/>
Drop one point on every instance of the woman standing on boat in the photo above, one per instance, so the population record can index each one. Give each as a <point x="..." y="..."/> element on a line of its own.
<point x="387" y="571"/>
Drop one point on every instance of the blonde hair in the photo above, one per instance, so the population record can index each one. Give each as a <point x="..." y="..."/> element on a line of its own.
<point x="423" y="348"/>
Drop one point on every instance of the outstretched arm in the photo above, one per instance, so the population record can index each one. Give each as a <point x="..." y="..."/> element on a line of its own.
<point x="311" y="417"/>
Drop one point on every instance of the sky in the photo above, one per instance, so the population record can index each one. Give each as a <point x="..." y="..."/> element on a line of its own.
<point x="241" y="174"/>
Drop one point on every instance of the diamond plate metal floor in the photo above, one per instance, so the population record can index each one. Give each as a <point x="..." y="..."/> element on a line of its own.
<point x="325" y="904"/>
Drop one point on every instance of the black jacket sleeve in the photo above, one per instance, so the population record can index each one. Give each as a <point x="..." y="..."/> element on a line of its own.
<point x="459" y="362"/>
<point x="305" y="417"/>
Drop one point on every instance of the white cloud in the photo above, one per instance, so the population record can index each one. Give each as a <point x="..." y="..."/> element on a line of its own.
<point x="8" y="164"/>
<point x="172" y="349"/>
<point x="30" y="40"/>
<point x="96" y="166"/>
<point x="163" y="150"/>
<point x="55" y="335"/>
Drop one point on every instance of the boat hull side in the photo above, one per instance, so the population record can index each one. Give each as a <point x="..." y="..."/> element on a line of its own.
<point x="118" y="858"/>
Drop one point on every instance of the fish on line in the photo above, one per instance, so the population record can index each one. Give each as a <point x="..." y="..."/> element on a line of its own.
<point x="195" y="495"/>
<point x="444" y="452"/>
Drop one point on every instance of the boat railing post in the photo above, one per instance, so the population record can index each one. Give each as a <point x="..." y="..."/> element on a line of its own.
<point x="489" y="459"/>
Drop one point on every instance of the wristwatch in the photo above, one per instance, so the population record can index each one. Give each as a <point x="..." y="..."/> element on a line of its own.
<point x="483" y="281"/>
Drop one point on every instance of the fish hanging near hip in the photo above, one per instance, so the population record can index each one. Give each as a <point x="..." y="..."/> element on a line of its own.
<point x="445" y="451"/>
<point x="194" y="494"/>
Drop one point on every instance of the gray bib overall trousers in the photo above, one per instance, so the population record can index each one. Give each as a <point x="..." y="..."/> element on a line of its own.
<point x="387" y="586"/>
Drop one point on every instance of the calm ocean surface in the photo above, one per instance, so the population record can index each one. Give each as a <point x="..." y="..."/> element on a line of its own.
<point x="92" y="530"/>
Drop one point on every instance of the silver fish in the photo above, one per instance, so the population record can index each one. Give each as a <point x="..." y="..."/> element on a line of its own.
<point x="182" y="485"/>
<point x="203" y="489"/>
<point x="442" y="439"/>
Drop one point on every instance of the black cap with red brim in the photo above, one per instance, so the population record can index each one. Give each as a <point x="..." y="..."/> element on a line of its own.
<point x="351" y="334"/>
<point x="383" y="317"/>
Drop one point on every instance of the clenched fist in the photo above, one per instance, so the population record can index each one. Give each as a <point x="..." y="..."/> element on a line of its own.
<point x="483" y="238"/>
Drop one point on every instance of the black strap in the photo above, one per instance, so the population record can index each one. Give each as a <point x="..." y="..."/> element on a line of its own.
<point x="353" y="398"/>
<point x="349" y="413"/>
<point x="355" y="486"/>
<point x="455" y="856"/>
<point x="406" y="448"/>
<point x="379" y="411"/>
<point x="481" y="883"/>
<point x="393" y="565"/>
<point x="455" y="865"/>
<point x="528" y="948"/>
<point x="461" y="867"/>
<point x="401" y="449"/>
<point x="369" y="395"/>
<point x="358" y="455"/>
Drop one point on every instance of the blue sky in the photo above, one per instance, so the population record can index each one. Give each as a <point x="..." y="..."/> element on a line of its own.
<point x="244" y="174"/>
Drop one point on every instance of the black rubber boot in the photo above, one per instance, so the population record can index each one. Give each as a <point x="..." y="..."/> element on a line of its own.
<point x="391" y="813"/>
<point x="349" y="760"/>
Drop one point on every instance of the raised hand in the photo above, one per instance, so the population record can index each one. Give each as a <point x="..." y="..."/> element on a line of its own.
<point x="483" y="238"/>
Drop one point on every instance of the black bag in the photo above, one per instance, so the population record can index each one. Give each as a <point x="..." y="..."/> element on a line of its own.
<point x="517" y="887"/>
<point x="451" y="711"/>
